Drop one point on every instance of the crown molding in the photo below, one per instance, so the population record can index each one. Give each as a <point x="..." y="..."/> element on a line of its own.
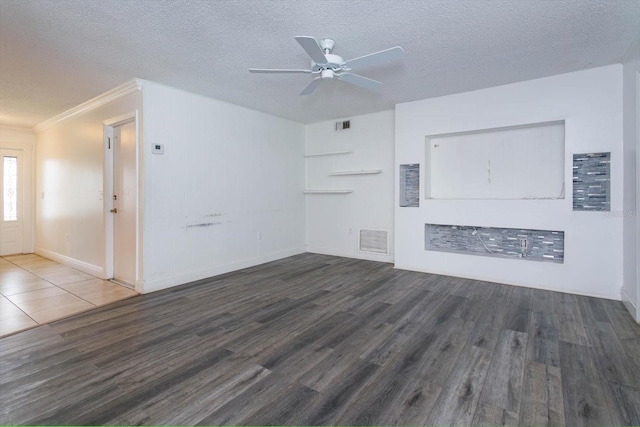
<point x="127" y="88"/>
<point x="16" y="128"/>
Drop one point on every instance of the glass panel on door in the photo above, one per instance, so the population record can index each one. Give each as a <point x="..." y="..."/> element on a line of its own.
<point x="10" y="188"/>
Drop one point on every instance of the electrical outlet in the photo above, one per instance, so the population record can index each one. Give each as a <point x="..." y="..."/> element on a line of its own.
<point x="524" y="244"/>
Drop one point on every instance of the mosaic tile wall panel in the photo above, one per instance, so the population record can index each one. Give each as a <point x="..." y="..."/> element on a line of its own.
<point x="410" y="186"/>
<point x="532" y="245"/>
<point x="592" y="182"/>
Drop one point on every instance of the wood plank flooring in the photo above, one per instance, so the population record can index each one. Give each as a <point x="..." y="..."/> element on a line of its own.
<point x="320" y="340"/>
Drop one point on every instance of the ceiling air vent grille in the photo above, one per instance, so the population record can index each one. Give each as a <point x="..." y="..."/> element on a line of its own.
<point x="343" y="125"/>
<point x="374" y="241"/>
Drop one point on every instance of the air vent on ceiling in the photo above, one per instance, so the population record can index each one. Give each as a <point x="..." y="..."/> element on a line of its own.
<point x="374" y="241"/>
<point x="343" y="125"/>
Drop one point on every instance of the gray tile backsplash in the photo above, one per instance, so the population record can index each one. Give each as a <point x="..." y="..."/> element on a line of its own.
<point x="410" y="186"/>
<point x="532" y="245"/>
<point x="592" y="182"/>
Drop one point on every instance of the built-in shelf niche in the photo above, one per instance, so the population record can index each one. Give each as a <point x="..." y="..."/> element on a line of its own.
<point x="592" y="182"/>
<point x="360" y="172"/>
<point x="327" y="191"/>
<point x="329" y="153"/>
<point x="515" y="162"/>
<point x="512" y="243"/>
<point x="410" y="186"/>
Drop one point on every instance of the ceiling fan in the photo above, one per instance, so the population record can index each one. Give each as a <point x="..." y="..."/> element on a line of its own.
<point x="328" y="65"/>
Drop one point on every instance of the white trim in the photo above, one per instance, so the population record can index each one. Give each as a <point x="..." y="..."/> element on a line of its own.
<point x="348" y="254"/>
<point x="122" y="119"/>
<point x="327" y="191"/>
<point x="181" y="279"/>
<point x="94" y="270"/>
<point x="127" y="88"/>
<point x="16" y="129"/>
<point x="109" y="228"/>
<point x="329" y="153"/>
<point x="507" y="282"/>
<point x="629" y="305"/>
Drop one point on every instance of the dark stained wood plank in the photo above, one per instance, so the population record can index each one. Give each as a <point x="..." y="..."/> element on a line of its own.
<point x="611" y="358"/>
<point x="543" y="339"/>
<point x="503" y="384"/>
<point x="339" y="398"/>
<point x="624" y="404"/>
<point x="458" y="400"/>
<point x="571" y="327"/>
<point x="585" y="401"/>
<point x="543" y="301"/>
<point x="542" y="400"/>
<point x="489" y="415"/>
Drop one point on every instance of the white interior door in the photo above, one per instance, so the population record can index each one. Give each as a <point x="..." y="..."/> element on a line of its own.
<point x="11" y="207"/>
<point x="124" y="203"/>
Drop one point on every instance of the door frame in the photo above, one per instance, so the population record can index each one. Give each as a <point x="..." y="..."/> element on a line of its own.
<point x="107" y="192"/>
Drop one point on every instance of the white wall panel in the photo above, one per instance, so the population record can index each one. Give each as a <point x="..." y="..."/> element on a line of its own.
<point x="590" y="103"/>
<point x="334" y="220"/>
<point x="226" y="193"/>
<point x="631" y="208"/>
<point x="70" y="213"/>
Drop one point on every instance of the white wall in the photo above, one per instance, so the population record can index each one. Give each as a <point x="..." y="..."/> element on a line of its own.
<point x="226" y="193"/>
<point x="23" y="140"/>
<point x="631" y="204"/>
<point x="70" y="212"/>
<point x="333" y="220"/>
<point x="590" y="102"/>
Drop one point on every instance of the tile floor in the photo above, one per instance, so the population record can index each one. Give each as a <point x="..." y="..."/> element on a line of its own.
<point x="35" y="290"/>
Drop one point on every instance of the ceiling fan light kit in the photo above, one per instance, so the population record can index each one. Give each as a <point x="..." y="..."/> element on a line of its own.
<point x="328" y="65"/>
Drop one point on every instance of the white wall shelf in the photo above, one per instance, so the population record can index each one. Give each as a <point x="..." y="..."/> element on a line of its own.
<point x="360" y="172"/>
<point x="327" y="191"/>
<point x="329" y="153"/>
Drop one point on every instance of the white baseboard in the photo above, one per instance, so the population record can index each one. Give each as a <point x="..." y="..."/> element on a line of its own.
<point x="181" y="279"/>
<point x="506" y="282"/>
<point x="94" y="270"/>
<point x="350" y="254"/>
<point x="631" y="306"/>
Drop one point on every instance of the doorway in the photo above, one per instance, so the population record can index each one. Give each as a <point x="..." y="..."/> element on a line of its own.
<point x="11" y="206"/>
<point x="121" y="196"/>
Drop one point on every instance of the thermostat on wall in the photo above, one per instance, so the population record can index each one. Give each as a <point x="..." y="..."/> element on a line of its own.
<point x="157" y="149"/>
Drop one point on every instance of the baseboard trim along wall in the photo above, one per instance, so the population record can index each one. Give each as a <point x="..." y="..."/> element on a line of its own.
<point x="85" y="267"/>
<point x="348" y="254"/>
<point x="505" y="282"/>
<point x="181" y="279"/>
<point x="626" y="300"/>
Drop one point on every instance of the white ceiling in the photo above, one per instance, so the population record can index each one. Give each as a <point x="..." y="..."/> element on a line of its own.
<point x="57" y="54"/>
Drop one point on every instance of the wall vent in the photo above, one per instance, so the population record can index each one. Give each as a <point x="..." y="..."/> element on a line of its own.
<point x="343" y="125"/>
<point x="374" y="241"/>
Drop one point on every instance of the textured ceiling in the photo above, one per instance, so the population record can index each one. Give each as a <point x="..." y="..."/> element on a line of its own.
<point x="57" y="54"/>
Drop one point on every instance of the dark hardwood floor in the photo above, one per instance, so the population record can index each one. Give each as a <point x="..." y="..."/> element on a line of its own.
<point x="319" y="340"/>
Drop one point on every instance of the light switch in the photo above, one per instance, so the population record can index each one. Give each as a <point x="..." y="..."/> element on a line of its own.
<point x="157" y="148"/>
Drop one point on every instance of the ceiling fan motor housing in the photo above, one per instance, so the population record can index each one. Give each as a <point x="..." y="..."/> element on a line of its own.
<point x="334" y="62"/>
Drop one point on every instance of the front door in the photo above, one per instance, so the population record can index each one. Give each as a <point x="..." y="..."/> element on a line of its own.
<point x="11" y="203"/>
<point x="124" y="203"/>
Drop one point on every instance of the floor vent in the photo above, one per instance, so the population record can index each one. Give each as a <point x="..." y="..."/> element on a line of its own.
<point x="374" y="241"/>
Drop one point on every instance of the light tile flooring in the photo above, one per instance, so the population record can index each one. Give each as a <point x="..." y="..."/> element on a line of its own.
<point x="35" y="290"/>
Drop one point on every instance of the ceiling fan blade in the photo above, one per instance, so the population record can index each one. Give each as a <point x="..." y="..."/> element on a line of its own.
<point x="376" y="58"/>
<point x="311" y="86"/>
<point x="310" y="45"/>
<point x="360" y="81"/>
<point x="277" y="70"/>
